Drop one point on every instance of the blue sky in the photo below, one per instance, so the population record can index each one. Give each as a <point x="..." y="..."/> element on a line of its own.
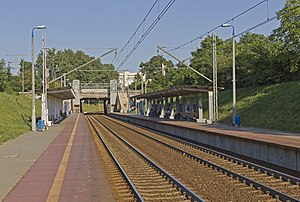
<point x="91" y="25"/>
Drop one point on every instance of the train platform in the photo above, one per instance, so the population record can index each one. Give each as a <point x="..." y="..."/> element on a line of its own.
<point x="275" y="147"/>
<point x="283" y="138"/>
<point x="59" y="164"/>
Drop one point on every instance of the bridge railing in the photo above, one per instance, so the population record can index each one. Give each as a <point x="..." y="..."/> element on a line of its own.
<point x="94" y="86"/>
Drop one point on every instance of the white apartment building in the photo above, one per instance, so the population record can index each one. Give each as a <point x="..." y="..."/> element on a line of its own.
<point x="126" y="78"/>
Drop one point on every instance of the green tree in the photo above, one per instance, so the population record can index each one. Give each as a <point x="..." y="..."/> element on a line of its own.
<point x="26" y="71"/>
<point x="202" y="61"/>
<point x="159" y="72"/>
<point x="14" y="84"/>
<point x="63" y="61"/>
<point x="182" y="75"/>
<point x="5" y="76"/>
<point x="255" y="61"/>
<point x="288" y="33"/>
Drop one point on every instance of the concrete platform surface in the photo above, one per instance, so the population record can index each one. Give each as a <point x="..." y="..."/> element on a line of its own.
<point x="18" y="155"/>
<point x="282" y="138"/>
<point x="60" y="164"/>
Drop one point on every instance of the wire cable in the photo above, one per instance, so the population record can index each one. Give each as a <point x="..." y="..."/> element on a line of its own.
<point x="146" y="33"/>
<point x="256" y="26"/>
<point x="243" y="32"/>
<point x="213" y="29"/>
<point x="137" y="29"/>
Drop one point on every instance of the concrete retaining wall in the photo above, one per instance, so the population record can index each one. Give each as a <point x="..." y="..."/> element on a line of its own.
<point x="287" y="157"/>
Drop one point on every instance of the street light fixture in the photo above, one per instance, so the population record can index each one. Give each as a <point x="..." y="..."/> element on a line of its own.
<point x="233" y="73"/>
<point x="33" y="119"/>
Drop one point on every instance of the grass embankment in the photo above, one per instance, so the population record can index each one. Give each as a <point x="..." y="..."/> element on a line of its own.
<point x="272" y="107"/>
<point x="15" y="118"/>
<point x="93" y="107"/>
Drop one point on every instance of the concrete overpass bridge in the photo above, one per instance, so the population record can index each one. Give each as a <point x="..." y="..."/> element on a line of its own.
<point x="99" y="91"/>
<point x="94" y="94"/>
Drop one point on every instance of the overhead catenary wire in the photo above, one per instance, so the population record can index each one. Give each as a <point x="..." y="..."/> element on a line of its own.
<point x="243" y="32"/>
<point x="149" y="29"/>
<point x="256" y="26"/>
<point x="252" y="28"/>
<point x="135" y="32"/>
<point x="269" y="19"/>
<point x="83" y="65"/>
<point x="215" y="28"/>
<point x="188" y="66"/>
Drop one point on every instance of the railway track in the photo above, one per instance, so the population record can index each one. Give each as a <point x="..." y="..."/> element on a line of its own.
<point x="147" y="181"/>
<point x="284" y="183"/>
<point x="265" y="183"/>
<point x="120" y="187"/>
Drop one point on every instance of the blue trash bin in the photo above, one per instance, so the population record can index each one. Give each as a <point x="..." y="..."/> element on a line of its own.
<point x="237" y="120"/>
<point x="40" y="124"/>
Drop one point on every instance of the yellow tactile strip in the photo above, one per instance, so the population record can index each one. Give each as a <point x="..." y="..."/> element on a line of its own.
<point x="58" y="181"/>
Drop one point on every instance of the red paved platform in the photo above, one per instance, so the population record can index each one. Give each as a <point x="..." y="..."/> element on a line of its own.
<point x="83" y="179"/>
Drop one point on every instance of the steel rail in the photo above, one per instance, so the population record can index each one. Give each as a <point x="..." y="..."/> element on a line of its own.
<point x="189" y="193"/>
<point x="136" y="194"/>
<point x="241" y="178"/>
<point x="262" y="169"/>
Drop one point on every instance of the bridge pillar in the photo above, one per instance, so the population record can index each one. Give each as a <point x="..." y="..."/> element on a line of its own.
<point x="200" y="111"/>
<point x="191" y="106"/>
<point x="167" y="109"/>
<point x="81" y="107"/>
<point x="162" y="107"/>
<point x="172" y="108"/>
<point x="105" y="107"/>
<point x="210" y="107"/>
<point x="76" y="102"/>
<point x="184" y="106"/>
<point x="177" y="110"/>
<point x="113" y="94"/>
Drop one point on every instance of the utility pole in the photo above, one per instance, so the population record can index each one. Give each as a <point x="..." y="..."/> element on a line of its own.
<point x="233" y="74"/>
<point x="124" y="81"/>
<point x="215" y="79"/>
<point x="142" y="89"/>
<point x="33" y="117"/>
<point x="145" y="100"/>
<point x="44" y="116"/>
<point x="142" y="84"/>
<point x="23" y="75"/>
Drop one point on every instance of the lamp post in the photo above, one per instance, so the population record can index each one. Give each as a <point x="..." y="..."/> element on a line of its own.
<point x="33" y="121"/>
<point x="44" y="116"/>
<point x="233" y="73"/>
<point x="23" y="75"/>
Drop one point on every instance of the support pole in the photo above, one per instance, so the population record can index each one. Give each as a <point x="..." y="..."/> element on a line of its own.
<point x="23" y="75"/>
<point x="215" y="82"/>
<point x="233" y="80"/>
<point x="33" y="120"/>
<point x="210" y="107"/>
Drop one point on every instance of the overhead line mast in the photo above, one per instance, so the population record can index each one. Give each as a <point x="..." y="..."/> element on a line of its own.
<point x="188" y="66"/>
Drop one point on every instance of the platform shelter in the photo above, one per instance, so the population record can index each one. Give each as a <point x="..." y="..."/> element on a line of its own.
<point x="59" y="102"/>
<point x="181" y="103"/>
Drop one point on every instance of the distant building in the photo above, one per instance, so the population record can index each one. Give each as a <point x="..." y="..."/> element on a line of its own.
<point x="126" y="78"/>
